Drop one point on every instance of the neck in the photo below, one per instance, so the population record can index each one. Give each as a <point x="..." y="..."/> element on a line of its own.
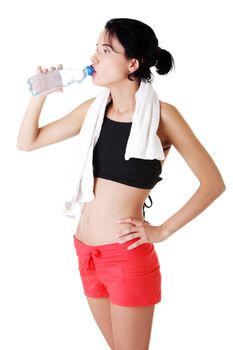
<point x="123" y="97"/>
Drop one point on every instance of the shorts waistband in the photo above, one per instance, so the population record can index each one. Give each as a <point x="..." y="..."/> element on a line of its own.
<point x="113" y="250"/>
<point x="104" y="247"/>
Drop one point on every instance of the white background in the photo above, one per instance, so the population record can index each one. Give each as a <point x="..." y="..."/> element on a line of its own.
<point x="42" y="305"/>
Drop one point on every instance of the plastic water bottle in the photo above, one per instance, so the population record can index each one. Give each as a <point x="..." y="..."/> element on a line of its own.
<point x="43" y="83"/>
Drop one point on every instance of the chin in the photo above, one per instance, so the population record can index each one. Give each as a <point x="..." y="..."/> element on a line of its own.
<point x="99" y="83"/>
<point x="106" y="83"/>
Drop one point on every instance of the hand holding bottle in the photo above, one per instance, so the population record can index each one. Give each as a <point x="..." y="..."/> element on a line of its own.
<point x="47" y="81"/>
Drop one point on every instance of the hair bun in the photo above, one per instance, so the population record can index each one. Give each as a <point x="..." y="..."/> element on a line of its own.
<point x="164" y="61"/>
<point x="158" y="50"/>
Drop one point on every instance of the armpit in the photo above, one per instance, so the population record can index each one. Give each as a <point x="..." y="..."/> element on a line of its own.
<point x="166" y="144"/>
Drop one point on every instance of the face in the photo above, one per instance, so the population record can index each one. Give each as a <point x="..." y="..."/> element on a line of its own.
<point x="109" y="62"/>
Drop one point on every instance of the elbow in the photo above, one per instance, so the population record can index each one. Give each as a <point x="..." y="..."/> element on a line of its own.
<point x="219" y="190"/>
<point x="22" y="148"/>
<point x="222" y="188"/>
<point x="215" y="189"/>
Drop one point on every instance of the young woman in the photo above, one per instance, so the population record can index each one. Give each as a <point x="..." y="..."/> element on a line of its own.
<point x="118" y="264"/>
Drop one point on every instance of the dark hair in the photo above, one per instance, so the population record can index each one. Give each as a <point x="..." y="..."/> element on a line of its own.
<point x="140" y="42"/>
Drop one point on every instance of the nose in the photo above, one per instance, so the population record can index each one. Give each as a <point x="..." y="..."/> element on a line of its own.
<point x="93" y="58"/>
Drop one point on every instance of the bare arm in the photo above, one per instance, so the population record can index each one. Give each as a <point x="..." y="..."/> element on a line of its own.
<point x="200" y="162"/>
<point x="32" y="137"/>
<point x="29" y="127"/>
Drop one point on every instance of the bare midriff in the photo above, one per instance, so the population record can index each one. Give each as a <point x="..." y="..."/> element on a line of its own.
<point x="113" y="200"/>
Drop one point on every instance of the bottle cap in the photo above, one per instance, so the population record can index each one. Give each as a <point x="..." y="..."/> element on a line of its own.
<point x="89" y="70"/>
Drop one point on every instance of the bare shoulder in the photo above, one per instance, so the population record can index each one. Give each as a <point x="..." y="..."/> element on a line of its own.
<point x="173" y="126"/>
<point x="168" y="113"/>
<point x="178" y="133"/>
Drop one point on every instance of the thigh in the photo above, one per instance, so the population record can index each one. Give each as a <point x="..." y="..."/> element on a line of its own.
<point x="100" y="308"/>
<point x="131" y="326"/>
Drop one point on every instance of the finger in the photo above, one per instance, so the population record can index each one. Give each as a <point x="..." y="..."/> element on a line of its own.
<point x="129" y="237"/>
<point x="127" y="231"/>
<point x="135" y="244"/>
<point x="131" y="220"/>
<point x="39" y="69"/>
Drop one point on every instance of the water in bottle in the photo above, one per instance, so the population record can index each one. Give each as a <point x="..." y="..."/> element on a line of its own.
<point x="43" y="83"/>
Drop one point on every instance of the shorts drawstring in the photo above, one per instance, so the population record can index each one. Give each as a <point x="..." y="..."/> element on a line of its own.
<point x="144" y="205"/>
<point x="89" y="263"/>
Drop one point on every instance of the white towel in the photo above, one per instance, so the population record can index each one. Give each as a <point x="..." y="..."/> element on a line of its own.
<point x="143" y="143"/>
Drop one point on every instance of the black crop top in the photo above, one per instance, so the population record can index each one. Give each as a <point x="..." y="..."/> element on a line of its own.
<point x="109" y="162"/>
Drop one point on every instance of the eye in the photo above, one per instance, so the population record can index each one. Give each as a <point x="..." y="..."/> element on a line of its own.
<point x="103" y="50"/>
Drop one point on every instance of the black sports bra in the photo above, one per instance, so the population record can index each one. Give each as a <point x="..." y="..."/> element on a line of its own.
<point x="109" y="162"/>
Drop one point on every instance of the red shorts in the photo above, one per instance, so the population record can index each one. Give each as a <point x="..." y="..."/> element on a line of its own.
<point x="127" y="277"/>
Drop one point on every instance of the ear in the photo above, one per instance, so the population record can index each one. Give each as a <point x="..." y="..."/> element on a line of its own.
<point x="133" y="65"/>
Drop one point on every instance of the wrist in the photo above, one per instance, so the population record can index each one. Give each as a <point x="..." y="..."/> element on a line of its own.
<point x="39" y="99"/>
<point x="159" y="233"/>
<point x="165" y="232"/>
